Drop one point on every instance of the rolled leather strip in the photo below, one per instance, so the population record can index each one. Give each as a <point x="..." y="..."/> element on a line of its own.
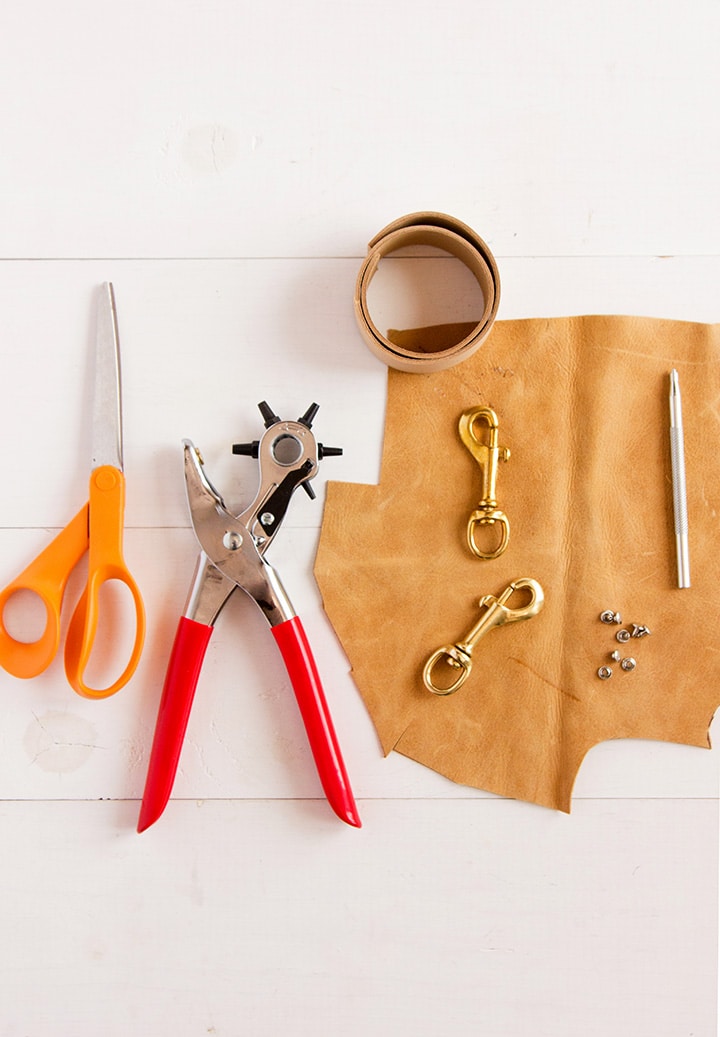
<point x="429" y="349"/>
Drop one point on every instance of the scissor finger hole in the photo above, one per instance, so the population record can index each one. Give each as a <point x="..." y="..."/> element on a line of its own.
<point x="25" y="616"/>
<point x="114" y="636"/>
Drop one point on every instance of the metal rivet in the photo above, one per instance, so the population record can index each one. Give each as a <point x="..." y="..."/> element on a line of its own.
<point x="615" y="656"/>
<point x="604" y="672"/>
<point x="639" y="631"/>
<point x="610" y="616"/>
<point x="628" y="664"/>
<point x="623" y="635"/>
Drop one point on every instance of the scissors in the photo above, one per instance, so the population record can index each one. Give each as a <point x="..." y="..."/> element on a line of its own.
<point x="96" y="529"/>
<point x="232" y="556"/>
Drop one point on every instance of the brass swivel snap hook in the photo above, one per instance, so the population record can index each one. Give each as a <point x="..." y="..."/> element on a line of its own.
<point x="488" y="455"/>
<point x="458" y="657"/>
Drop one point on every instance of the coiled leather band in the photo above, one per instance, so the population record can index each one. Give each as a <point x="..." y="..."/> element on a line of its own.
<point x="429" y="351"/>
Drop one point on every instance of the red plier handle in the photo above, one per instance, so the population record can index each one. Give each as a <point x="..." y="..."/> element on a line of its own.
<point x="301" y="668"/>
<point x="188" y="652"/>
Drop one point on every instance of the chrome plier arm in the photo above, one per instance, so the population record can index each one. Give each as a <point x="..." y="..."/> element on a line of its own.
<point x="233" y="555"/>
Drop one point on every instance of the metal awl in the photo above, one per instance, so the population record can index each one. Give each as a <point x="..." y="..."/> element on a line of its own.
<point x="488" y="455"/>
<point x="677" y="458"/>
<point x="457" y="658"/>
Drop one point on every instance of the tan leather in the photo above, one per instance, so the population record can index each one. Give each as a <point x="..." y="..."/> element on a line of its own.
<point x="583" y="406"/>
<point x="429" y="349"/>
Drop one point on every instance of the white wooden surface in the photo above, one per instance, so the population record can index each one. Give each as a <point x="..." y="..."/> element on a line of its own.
<point x="224" y="164"/>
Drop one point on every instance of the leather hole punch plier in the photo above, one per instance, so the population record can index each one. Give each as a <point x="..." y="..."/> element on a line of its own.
<point x="233" y="555"/>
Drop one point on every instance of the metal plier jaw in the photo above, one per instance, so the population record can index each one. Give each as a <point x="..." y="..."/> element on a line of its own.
<point x="233" y="547"/>
<point x="232" y="556"/>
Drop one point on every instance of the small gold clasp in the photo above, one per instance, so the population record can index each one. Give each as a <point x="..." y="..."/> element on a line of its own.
<point x="487" y="454"/>
<point x="458" y="657"/>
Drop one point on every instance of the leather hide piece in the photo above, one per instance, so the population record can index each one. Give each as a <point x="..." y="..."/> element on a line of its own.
<point x="583" y="406"/>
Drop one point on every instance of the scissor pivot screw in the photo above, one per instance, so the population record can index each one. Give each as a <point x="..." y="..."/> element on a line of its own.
<point x="232" y="540"/>
<point x="608" y="616"/>
<point x="604" y="673"/>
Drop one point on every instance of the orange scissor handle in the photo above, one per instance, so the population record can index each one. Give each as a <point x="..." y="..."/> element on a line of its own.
<point x="46" y="577"/>
<point x="105" y="562"/>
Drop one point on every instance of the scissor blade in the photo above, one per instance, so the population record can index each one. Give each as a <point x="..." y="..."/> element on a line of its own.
<point x="107" y="408"/>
